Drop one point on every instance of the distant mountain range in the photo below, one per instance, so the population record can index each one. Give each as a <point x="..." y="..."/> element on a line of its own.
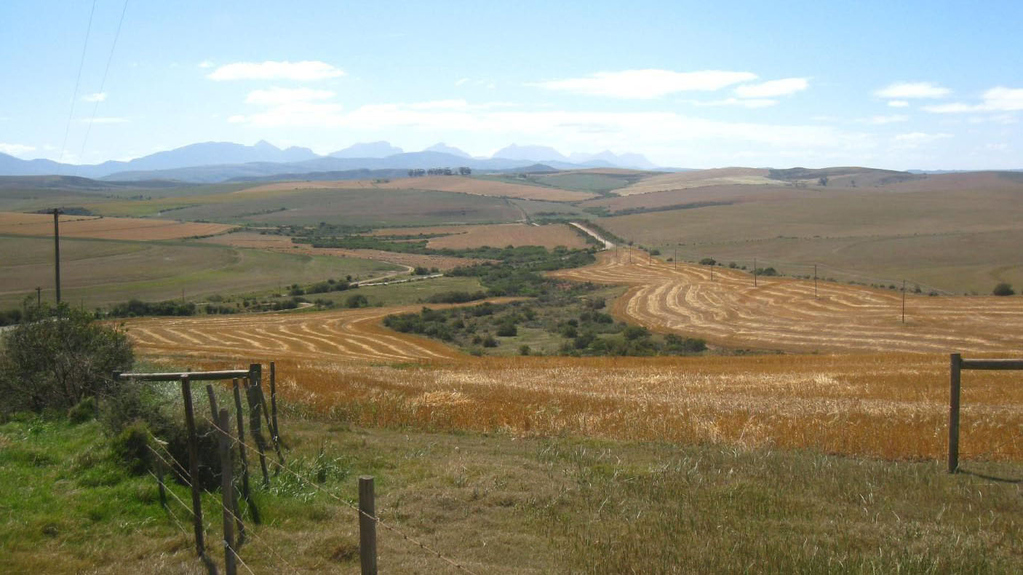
<point x="212" y="162"/>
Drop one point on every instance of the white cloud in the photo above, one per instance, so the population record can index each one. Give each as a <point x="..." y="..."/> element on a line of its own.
<point x="15" y="149"/>
<point x="97" y="97"/>
<point x="646" y="84"/>
<point x="206" y="64"/>
<point x="898" y="104"/>
<point x="306" y="70"/>
<point x="744" y="103"/>
<point x="892" y="119"/>
<point x="1004" y="99"/>
<point x="461" y="81"/>
<point x="773" y="88"/>
<point x="280" y="96"/>
<point x="917" y="139"/>
<point x="903" y="90"/>
<point x="999" y="99"/>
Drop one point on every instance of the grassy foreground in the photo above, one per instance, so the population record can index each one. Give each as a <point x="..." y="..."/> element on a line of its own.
<point x="503" y="504"/>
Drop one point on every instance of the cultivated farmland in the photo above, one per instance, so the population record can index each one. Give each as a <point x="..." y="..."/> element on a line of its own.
<point x="883" y="405"/>
<point x="783" y="313"/>
<point x="102" y="272"/>
<point x="497" y="235"/>
<point x="105" y="228"/>
<point x="458" y="184"/>
<point x="283" y="244"/>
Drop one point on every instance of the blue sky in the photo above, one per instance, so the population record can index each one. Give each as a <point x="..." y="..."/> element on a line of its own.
<point x="930" y="85"/>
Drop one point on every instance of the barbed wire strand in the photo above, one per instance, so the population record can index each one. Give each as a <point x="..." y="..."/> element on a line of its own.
<point x="355" y="508"/>
<point x="248" y="531"/>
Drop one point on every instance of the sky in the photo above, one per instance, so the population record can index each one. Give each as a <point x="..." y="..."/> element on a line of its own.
<point x="899" y="85"/>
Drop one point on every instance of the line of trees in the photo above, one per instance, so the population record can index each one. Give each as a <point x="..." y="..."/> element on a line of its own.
<point x="419" y="172"/>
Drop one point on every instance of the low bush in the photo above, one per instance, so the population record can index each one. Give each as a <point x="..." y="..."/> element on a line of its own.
<point x="1003" y="289"/>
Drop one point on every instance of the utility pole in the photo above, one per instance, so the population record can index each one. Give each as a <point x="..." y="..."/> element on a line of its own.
<point x="814" y="281"/>
<point x="39" y="297"/>
<point x="903" y="301"/>
<point x="754" y="272"/>
<point x="675" y="259"/>
<point x="56" y="249"/>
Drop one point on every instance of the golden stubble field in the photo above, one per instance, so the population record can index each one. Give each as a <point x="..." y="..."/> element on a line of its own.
<point x="888" y="405"/>
<point x="784" y="314"/>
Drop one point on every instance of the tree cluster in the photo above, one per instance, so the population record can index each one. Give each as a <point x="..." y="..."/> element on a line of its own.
<point x="420" y="172"/>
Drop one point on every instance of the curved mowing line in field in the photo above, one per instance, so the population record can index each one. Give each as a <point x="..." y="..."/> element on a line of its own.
<point x="337" y="335"/>
<point x="782" y="313"/>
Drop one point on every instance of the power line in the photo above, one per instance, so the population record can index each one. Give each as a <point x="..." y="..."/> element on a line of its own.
<point x="74" y="97"/>
<point x="103" y="82"/>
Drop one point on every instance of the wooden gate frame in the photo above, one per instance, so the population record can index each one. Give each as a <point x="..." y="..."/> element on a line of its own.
<point x="957" y="365"/>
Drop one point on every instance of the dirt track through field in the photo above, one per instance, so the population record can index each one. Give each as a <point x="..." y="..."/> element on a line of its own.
<point x="783" y="314"/>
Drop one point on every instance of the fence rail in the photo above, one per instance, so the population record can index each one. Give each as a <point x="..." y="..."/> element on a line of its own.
<point x="956" y="366"/>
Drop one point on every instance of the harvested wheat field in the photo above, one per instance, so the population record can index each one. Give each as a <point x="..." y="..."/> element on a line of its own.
<point x="105" y="228"/>
<point x="783" y="314"/>
<point x="458" y="184"/>
<point x="339" y="335"/>
<point x="882" y="405"/>
<point x="494" y="235"/>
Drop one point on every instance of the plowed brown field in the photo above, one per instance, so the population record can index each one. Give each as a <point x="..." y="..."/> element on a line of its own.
<point x="783" y="314"/>
<point x="105" y="228"/>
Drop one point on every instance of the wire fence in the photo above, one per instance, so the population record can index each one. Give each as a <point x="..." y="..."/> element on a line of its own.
<point x="166" y="458"/>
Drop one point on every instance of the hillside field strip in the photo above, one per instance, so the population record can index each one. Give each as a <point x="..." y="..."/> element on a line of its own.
<point x="496" y="235"/>
<point x="14" y="223"/>
<point x="103" y="272"/>
<point x="457" y="184"/>
<point x="783" y="313"/>
<point x="283" y="244"/>
<point x="955" y="236"/>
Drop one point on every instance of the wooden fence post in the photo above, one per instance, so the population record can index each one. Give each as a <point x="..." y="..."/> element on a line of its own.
<point x="255" y="425"/>
<point x="226" y="488"/>
<point x="193" y="466"/>
<point x="273" y="403"/>
<point x="955" y="378"/>
<point x="367" y="527"/>
<point x="159" y="481"/>
<point x="193" y="475"/>
<point x="239" y="416"/>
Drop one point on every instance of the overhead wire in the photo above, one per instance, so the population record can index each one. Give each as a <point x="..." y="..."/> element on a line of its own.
<point x="78" y="79"/>
<point x="103" y="82"/>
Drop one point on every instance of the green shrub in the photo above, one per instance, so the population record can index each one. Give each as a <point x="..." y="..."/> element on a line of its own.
<point x="1003" y="289"/>
<point x="131" y="447"/>
<point x="54" y="361"/>
<point x="507" y="330"/>
<point x="84" y="411"/>
<point x="358" y="300"/>
<point x="708" y="262"/>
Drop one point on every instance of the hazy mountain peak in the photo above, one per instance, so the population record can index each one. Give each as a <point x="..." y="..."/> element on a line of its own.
<point x="446" y="149"/>
<point x="380" y="149"/>
<point x="532" y="153"/>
